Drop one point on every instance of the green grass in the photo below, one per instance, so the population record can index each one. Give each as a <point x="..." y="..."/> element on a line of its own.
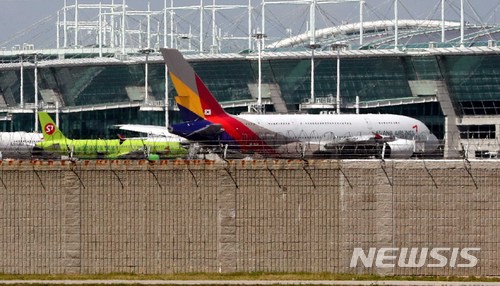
<point x="238" y="276"/>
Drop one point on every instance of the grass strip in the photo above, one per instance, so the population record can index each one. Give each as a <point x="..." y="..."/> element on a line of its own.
<point x="241" y="276"/>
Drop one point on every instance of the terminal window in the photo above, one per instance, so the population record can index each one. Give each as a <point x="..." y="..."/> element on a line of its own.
<point x="489" y="107"/>
<point x="477" y="131"/>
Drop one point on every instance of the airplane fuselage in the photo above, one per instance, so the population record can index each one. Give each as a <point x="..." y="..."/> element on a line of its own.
<point x="112" y="148"/>
<point x="320" y="127"/>
<point x="285" y="134"/>
<point x="18" y="144"/>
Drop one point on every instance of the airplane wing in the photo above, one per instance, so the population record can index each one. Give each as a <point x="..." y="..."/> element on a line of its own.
<point x="171" y="150"/>
<point x="395" y="147"/>
<point x="152" y="130"/>
<point x="364" y="139"/>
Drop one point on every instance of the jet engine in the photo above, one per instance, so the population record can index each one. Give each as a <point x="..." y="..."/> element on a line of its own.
<point x="399" y="149"/>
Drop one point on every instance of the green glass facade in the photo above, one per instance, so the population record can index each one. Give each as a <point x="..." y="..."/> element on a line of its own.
<point x="475" y="83"/>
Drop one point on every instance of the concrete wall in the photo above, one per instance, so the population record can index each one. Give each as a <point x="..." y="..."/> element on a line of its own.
<point x="203" y="216"/>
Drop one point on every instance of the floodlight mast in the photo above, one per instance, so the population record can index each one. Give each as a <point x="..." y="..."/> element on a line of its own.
<point x="111" y="25"/>
<point x="148" y="27"/>
<point x="76" y="23"/>
<point x="442" y="22"/>
<point x="36" y="93"/>
<point x="260" y="38"/>
<point x="22" y="57"/>
<point x="201" y="26"/>
<point x="166" y="97"/>
<point x="313" y="47"/>
<point x="65" y="23"/>
<point x="361" y="30"/>
<point x="312" y="43"/>
<point x="146" y="52"/>
<point x="123" y="26"/>
<point x="21" y="91"/>
<point x="249" y="24"/>
<point x="214" y="30"/>
<point x="100" y="30"/>
<point x="58" y="44"/>
<point x="312" y="32"/>
<point x="112" y="41"/>
<point x="312" y="4"/>
<point x="338" y="82"/>
<point x="166" y="103"/>
<point x="312" y="21"/>
<point x="462" y="23"/>
<point x="337" y="47"/>
<point x="396" y="24"/>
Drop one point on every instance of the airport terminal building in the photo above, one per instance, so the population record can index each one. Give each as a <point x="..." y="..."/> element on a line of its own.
<point x="453" y="86"/>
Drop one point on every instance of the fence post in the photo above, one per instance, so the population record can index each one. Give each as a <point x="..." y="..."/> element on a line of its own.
<point x="71" y="227"/>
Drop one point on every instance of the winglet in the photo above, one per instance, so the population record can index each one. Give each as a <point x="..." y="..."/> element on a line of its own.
<point x="49" y="129"/>
<point x="194" y="99"/>
<point x="122" y="138"/>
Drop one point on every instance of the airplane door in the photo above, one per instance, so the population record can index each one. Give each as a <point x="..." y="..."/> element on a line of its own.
<point x="369" y="123"/>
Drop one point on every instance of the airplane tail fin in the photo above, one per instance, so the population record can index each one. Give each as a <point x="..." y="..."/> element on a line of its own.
<point x="194" y="99"/>
<point x="49" y="129"/>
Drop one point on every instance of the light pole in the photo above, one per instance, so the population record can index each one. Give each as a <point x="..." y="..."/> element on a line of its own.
<point x="22" y="57"/>
<point x="124" y="14"/>
<point x="36" y="92"/>
<point x="443" y="39"/>
<point x="21" y="91"/>
<point x="259" y="37"/>
<point x="313" y="47"/>
<point x="396" y="25"/>
<point x="166" y="97"/>
<point x="462" y="23"/>
<point x="146" y="52"/>
<point x="337" y="47"/>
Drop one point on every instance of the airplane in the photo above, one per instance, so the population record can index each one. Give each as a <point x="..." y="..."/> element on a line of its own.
<point x="18" y="145"/>
<point x="122" y="148"/>
<point x="289" y="135"/>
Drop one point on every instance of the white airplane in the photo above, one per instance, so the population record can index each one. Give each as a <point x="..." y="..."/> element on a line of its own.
<point x="290" y="134"/>
<point x="17" y="145"/>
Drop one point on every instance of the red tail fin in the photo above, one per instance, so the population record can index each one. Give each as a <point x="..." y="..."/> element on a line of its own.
<point x="193" y="98"/>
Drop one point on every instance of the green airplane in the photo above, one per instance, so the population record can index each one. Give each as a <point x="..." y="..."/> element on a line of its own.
<point x="133" y="148"/>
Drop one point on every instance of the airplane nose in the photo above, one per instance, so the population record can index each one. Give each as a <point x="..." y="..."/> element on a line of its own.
<point x="431" y="144"/>
<point x="426" y="143"/>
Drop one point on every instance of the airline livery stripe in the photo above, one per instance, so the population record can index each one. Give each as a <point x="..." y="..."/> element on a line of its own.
<point x="186" y="97"/>
<point x="207" y="99"/>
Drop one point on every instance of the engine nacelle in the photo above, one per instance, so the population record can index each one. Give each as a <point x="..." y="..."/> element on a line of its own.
<point x="400" y="149"/>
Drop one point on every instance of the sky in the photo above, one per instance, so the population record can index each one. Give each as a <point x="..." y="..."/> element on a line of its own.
<point x="39" y="16"/>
